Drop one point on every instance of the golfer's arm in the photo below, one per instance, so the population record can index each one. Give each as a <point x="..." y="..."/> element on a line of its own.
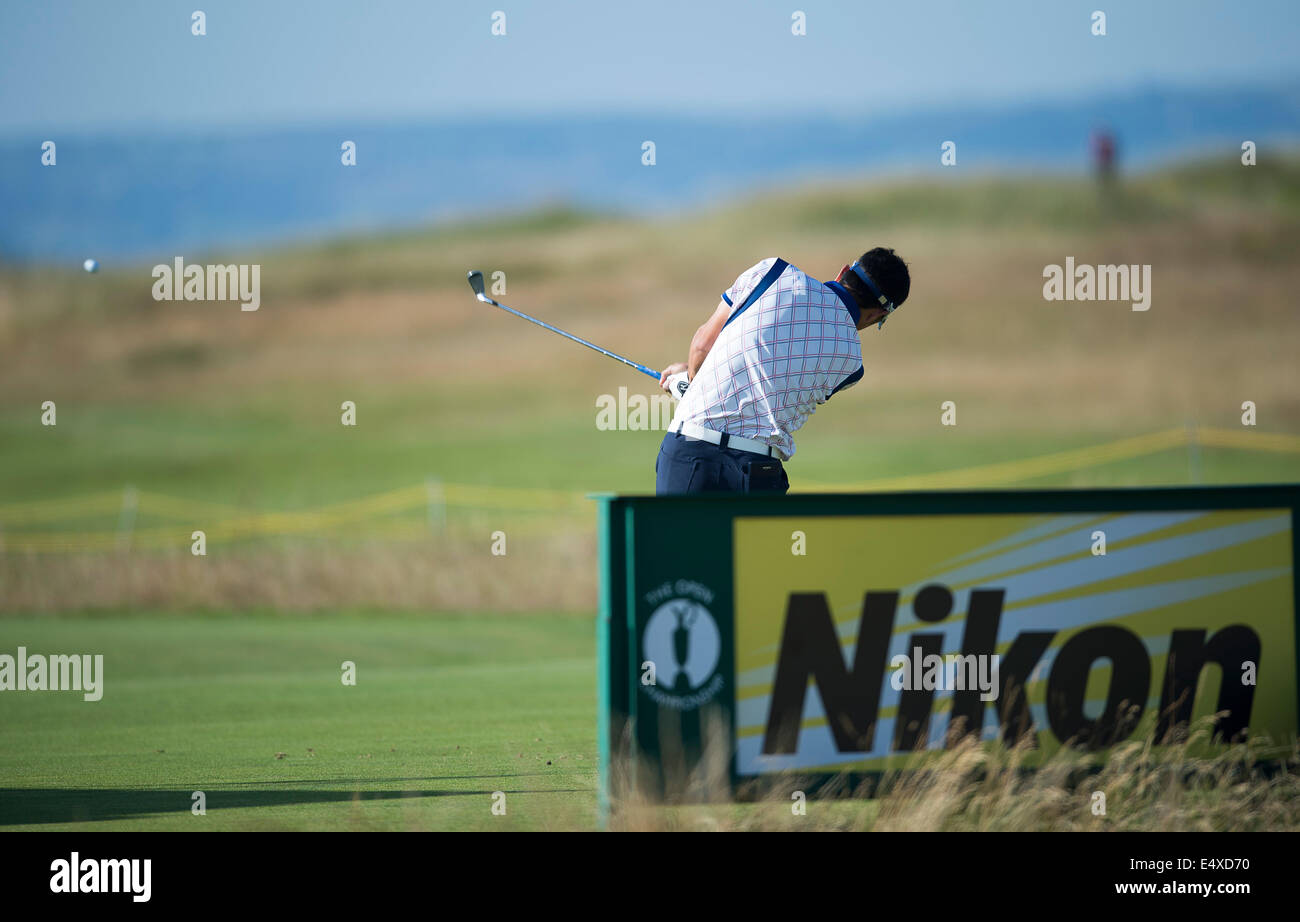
<point x="705" y="337"/>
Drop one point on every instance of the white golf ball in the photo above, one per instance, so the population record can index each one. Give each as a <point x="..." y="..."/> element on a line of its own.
<point x="90" y="265"/>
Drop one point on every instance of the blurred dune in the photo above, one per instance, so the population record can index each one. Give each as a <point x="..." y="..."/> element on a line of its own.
<point x="201" y="400"/>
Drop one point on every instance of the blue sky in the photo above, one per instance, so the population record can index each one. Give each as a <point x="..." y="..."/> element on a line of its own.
<point x="95" y="64"/>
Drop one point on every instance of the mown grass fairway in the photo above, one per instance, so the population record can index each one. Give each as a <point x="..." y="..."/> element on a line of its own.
<point x="446" y="710"/>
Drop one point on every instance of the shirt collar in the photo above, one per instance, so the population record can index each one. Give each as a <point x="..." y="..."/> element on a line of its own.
<point x="849" y="301"/>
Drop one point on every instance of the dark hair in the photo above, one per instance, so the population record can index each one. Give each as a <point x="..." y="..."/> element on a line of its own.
<point x="888" y="271"/>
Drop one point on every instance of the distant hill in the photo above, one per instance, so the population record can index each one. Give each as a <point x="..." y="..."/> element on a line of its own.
<point x="129" y="197"/>
<point x="1179" y="195"/>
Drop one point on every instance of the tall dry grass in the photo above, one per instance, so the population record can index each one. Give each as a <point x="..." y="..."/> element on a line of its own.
<point x="981" y="787"/>
<point x="551" y="572"/>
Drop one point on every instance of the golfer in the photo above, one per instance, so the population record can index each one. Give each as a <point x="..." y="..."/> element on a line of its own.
<point x="779" y="344"/>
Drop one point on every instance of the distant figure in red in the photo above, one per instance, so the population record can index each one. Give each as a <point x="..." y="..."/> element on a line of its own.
<point x="1103" y="155"/>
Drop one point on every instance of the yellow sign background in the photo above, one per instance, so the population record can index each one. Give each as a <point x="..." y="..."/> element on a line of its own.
<point x="1211" y="568"/>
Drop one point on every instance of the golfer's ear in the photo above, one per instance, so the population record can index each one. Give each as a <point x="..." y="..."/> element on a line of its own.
<point x="844" y="270"/>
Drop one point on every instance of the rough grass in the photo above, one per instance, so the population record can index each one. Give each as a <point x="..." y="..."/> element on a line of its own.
<point x="554" y="572"/>
<point x="205" y="403"/>
<point x="977" y="787"/>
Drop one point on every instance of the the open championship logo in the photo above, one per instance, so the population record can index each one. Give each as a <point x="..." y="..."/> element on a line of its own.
<point x="682" y="639"/>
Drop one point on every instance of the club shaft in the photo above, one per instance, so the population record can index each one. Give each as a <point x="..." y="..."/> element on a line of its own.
<point x="577" y="339"/>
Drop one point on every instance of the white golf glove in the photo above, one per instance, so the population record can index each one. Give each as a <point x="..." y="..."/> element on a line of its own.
<point x="677" y="385"/>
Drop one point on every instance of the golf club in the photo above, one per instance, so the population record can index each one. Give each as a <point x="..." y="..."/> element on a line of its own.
<point x="475" y="278"/>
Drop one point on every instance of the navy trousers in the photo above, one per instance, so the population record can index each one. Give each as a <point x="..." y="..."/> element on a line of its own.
<point x="687" y="465"/>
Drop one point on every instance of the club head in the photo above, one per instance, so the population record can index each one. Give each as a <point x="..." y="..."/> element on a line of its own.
<point x="475" y="279"/>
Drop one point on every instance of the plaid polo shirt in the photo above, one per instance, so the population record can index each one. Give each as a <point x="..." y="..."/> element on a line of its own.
<point x="783" y="352"/>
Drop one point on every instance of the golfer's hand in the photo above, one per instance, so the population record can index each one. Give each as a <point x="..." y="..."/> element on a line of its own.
<point x="673" y="369"/>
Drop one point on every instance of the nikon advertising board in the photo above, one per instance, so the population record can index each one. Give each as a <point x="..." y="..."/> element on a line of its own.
<point x="824" y="635"/>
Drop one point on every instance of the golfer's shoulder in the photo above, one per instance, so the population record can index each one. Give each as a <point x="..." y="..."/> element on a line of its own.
<point x="759" y="269"/>
<point x="746" y="281"/>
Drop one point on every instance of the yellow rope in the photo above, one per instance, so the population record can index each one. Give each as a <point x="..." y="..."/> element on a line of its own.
<point x="227" y="523"/>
